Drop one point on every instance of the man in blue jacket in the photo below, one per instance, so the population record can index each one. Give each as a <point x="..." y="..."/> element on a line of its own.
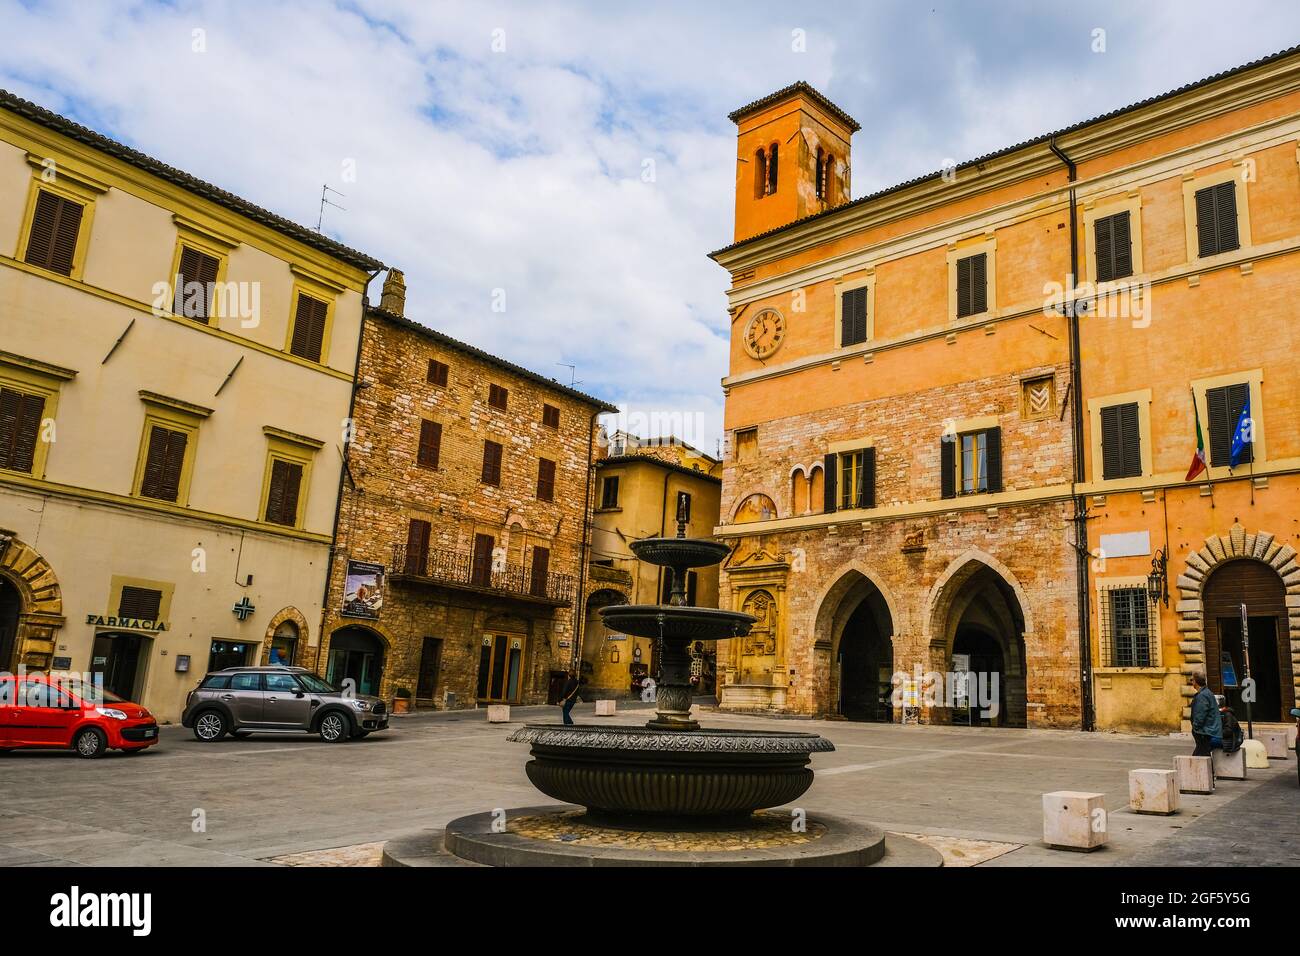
<point x="1207" y="725"/>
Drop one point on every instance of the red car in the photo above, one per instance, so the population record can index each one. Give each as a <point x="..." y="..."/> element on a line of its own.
<point x="37" y="710"/>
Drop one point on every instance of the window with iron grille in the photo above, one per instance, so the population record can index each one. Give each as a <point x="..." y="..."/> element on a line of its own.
<point x="1128" y="633"/>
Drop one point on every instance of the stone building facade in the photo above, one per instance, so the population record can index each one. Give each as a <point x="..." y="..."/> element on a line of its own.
<point x="460" y="539"/>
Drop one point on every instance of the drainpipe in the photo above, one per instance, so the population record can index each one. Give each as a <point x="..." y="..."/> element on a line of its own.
<point x="584" y="555"/>
<point x="1080" y="517"/>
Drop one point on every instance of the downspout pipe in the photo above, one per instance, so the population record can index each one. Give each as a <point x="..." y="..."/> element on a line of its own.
<point x="584" y="554"/>
<point x="1081" y="553"/>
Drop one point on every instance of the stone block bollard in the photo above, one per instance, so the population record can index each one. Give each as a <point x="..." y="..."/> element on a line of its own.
<point x="1153" y="791"/>
<point x="605" y="708"/>
<point x="498" y="713"/>
<point x="1229" y="766"/>
<point x="1256" y="755"/>
<point x="1195" y="774"/>
<point x="1074" y="820"/>
<point x="1274" y="742"/>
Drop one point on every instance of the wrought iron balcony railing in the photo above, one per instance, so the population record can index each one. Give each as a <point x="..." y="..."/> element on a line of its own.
<point x="459" y="569"/>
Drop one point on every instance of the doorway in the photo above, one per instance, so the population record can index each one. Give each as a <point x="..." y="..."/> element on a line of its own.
<point x="1258" y="586"/>
<point x="426" y="685"/>
<point x="356" y="654"/>
<point x="862" y="659"/>
<point x="11" y="605"/>
<point x="223" y="654"/>
<point x="120" y="658"/>
<point x="981" y="654"/>
<point x="501" y="668"/>
<point x="1262" y="632"/>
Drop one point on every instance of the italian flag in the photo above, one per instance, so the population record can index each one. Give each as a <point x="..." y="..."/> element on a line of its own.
<point x="1198" y="460"/>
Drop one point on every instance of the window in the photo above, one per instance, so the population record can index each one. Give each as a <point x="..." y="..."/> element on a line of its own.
<point x="283" y="493"/>
<point x="55" y="228"/>
<point x="747" y="444"/>
<point x="216" y="682"/>
<point x="430" y="444"/>
<point x="196" y="277"/>
<point x="550" y="416"/>
<point x="857" y="479"/>
<point x="853" y="316"/>
<point x="972" y="285"/>
<point x="771" y="168"/>
<point x="1223" y="407"/>
<point x="164" y="463"/>
<point x="245" y="681"/>
<point x="1127" y="633"/>
<point x="437" y="374"/>
<point x="760" y="174"/>
<point x="1216" y="219"/>
<point x="139" y="603"/>
<point x="498" y="397"/>
<point x="540" y="571"/>
<point x="609" y="492"/>
<point x="284" y="644"/>
<point x="1121" y="442"/>
<point x="480" y="570"/>
<point x="491" y="463"/>
<point x="545" y="479"/>
<point x="1113" y="247"/>
<point x="416" y="560"/>
<point x="281" y="683"/>
<point x="20" y="427"/>
<point x="683" y="511"/>
<point x="971" y="462"/>
<point x="823" y="172"/>
<point x="307" y="339"/>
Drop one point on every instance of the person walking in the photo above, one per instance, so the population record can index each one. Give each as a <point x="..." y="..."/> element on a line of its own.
<point x="1207" y="725"/>
<point x="569" y="696"/>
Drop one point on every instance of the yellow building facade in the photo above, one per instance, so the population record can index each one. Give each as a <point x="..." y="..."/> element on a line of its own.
<point x="176" y="369"/>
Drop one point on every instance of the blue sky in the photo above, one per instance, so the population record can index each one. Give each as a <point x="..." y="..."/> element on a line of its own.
<point x="500" y="146"/>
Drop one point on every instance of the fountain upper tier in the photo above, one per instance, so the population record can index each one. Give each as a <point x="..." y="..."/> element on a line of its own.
<point x="680" y="552"/>
<point x="676" y="623"/>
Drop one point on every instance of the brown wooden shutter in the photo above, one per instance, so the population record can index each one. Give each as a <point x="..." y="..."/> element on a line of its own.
<point x="541" y="568"/>
<point x="1225" y="216"/>
<point x="430" y="444"/>
<point x="545" y="479"/>
<point x="1122" y="250"/>
<point x="550" y="416"/>
<point x="417" y="546"/>
<point x="195" y="267"/>
<point x="948" y="466"/>
<point x="309" y="328"/>
<point x="481" y="567"/>
<point x="164" y="462"/>
<point x="1223" y="408"/>
<point x="141" y="603"/>
<point x="20" y="429"/>
<point x="972" y="285"/>
<point x="853" y="317"/>
<point x="993" y="458"/>
<point x="491" y="463"/>
<point x="498" y="397"/>
<point x="1121" y="442"/>
<point x="437" y="374"/>
<point x="830" y="478"/>
<point x="868" y="478"/>
<point x="56" y="223"/>
<point x="282" y="497"/>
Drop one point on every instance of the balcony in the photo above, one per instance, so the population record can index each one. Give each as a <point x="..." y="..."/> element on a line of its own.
<point x="459" y="570"/>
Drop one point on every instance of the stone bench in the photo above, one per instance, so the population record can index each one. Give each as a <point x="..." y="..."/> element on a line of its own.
<point x="1229" y="766"/>
<point x="1074" y="820"/>
<point x="1153" y="791"/>
<point x="498" y="713"/>
<point x="605" y="708"/>
<point x="1195" y="774"/>
<point x="1274" y="742"/>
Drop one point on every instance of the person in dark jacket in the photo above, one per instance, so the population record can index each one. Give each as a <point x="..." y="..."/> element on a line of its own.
<point x="1207" y="725"/>
<point x="1233" y="738"/>
<point x="569" y="696"/>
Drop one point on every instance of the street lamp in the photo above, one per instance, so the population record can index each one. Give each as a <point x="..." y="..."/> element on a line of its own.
<point x="1158" y="579"/>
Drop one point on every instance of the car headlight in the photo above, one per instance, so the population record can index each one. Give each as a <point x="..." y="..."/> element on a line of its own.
<point x="111" y="712"/>
<point x="361" y="704"/>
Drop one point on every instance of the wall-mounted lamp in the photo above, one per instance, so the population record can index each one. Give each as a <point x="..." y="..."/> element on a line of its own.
<point x="1158" y="579"/>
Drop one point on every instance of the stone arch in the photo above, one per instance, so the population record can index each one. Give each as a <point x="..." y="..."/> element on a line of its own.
<point x="40" y="598"/>
<point x="376" y="630"/>
<point x="1197" y="568"/>
<point x="298" y="619"/>
<point x="853" y="603"/>
<point x="756" y="506"/>
<point x="948" y="588"/>
<point x="799" y="500"/>
<point x="843" y="580"/>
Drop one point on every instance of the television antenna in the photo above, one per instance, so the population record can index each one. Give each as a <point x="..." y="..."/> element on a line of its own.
<point x="324" y="201"/>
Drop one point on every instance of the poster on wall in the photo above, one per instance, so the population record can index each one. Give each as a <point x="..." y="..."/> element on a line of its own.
<point x="363" y="590"/>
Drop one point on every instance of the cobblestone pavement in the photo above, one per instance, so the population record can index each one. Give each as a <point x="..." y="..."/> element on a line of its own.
<point x="975" y="794"/>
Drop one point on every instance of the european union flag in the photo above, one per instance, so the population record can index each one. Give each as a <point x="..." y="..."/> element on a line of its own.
<point x="1243" y="438"/>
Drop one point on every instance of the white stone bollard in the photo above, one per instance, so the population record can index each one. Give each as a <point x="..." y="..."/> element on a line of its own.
<point x="1256" y="755"/>
<point x="1153" y="791"/>
<point x="498" y="713"/>
<point x="1229" y="766"/>
<point x="1074" y="820"/>
<point x="1274" y="742"/>
<point x="605" y="708"/>
<point x="1195" y="774"/>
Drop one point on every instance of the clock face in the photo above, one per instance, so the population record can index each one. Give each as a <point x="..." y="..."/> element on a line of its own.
<point x="764" y="333"/>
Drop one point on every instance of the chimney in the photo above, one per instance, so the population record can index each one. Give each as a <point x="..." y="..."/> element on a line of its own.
<point x="792" y="159"/>
<point x="393" y="298"/>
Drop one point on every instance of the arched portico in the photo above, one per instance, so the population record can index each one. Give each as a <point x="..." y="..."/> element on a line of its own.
<point x="854" y="628"/>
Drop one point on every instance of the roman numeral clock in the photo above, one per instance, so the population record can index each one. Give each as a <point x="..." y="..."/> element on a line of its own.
<point x="764" y="333"/>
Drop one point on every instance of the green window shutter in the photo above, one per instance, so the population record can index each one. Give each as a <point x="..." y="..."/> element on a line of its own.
<point x="993" y="458"/>
<point x="830" y="478"/>
<point x="868" y="479"/>
<point x="948" y="466"/>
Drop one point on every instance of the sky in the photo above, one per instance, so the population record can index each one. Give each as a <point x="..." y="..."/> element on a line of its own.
<point x="551" y="176"/>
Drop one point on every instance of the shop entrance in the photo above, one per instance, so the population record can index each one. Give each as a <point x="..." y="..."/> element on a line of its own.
<point x="1258" y="586"/>
<point x="223" y="654"/>
<point x="501" y="668"/>
<point x="121" y="658"/>
<point x="357" y="654"/>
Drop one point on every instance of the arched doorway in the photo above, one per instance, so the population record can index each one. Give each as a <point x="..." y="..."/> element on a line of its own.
<point x="855" y="615"/>
<point x="1258" y="586"/>
<point x="978" y="626"/>
<point x="11" y="606"/>
<point x="356" y="653"/>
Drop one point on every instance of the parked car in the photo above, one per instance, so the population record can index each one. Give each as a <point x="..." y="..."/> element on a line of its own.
<point x="241" y="700"/>
<point x="63" y="712"/>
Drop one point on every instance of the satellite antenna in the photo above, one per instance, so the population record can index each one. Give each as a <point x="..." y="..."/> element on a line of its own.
<point x="324" y="201"/>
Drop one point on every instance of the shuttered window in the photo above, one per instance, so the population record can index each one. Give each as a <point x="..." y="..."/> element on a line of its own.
<point x="52" y="243"/>
<point x="1216" y="219"/>
<point x="430" y="444"/>
<point x="609" y="492"/>
<point x="164" y="461"/>
<point x="437" y="374"/>
<point x="857" y="479"/>
<point x="550" y="416"/>
<point x="141" y="603"/>
<point x="853" y="317"/>
<point x="498" y="397"/>
<point x="1121" y="442"/>
<point x="417" y="546"/>
<point x="309" y="328"/>
<point x="540" y="570"/>
<point x="545" y="479"/>
<point x="282" y="496"/>
<point x="480" y="573"/>
<point x="1223" y="407"/>
<point x="1113" y="247"/>
<point x="971" y="463"/>
<point x="195" y="278"/>
<point x="972" y="285"/>
<point x="20" y="428"/>
<point x="491" y="463"/>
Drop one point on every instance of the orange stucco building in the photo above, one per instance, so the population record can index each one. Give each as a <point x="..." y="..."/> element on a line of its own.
<point x="946" y="454"/>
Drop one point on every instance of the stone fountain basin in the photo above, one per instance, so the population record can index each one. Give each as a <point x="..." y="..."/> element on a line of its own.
<point x="639" y="777"/>
<point x="680" y="552"/>
<point x="680" y="623"/>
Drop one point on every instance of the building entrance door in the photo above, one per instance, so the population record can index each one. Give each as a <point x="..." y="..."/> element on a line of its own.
<point x="120" y="658"/>
<point x="430" y="663"/>
<point x="1263" y="666"/>
<point x="356" y="654"/>
<point x="501" y="668"/>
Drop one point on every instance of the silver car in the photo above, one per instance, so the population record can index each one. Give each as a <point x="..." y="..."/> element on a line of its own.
<point x="241" y="700"/>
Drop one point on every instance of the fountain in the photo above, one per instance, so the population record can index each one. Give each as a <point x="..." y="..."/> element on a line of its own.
<point x="668" y="793"/>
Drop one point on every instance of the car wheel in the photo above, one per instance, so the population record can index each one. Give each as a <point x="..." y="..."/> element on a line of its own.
<point x="209" y="726"/>
<point x="90" y="743"/>
<point x="334" y="728"/>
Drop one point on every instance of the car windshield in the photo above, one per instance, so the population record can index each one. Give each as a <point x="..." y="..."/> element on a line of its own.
<point x="316" y="685"/>
<point x="94" y="693"/>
